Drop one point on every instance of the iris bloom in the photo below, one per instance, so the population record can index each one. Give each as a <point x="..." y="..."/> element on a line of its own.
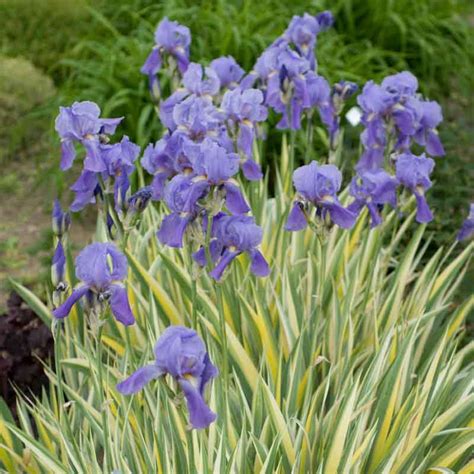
<point x="180" y="353"/>
<point x="228" y="71"/>
<point x="244" y="109"/>
<point x="413" y="172"/>
<point x="467" y="229"/>
<point x="170" y="38"/>
<point x="214" y="166"/>
<point x="101" y="267"/>
<point x="373" y="189"/>
<point x="303" y="30"/>
<point x="159" y="160"/>
<point x="318" y="185"/>
<point x="117" y="165"/>
<point x="231" y="236"/>
<point x="82" y="123"/>
<point x="374" y="102"/>
<point x="181" y="200"/>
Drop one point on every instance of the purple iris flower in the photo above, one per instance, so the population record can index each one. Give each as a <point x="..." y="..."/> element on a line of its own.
<point x="287" y="86"/>
<point x="303" y="30"/>
<point x="328" y="103"/>
<point x="181" y="197"/>
<point x="201" y="81"/>
<point x="374" y="102"/>
<point x="194" y="116"/>
<point x="318" y="184"/>
<point x="228" y="71"/>
<point x="214" y="166"/>
<point x="427" y="135"/>
<point x="467" y="229"/>
<point x="413" y="172"/>
<point x="82" y="123"/>
<point x="58" y="266"/>
<point x="101" y="267"/>
<point x="120" y="161"/>
<point x="402" y="84"/>
<point x="61" y="221"/>
<point x="373" y="189"/>
<point x="244" y="109"/>
<point x="170" y="38"/>
<point x="181" y="353"/>
<point x="231" y="236"/>
<point x="86" y="188"/>
<point x="159" y="161"/>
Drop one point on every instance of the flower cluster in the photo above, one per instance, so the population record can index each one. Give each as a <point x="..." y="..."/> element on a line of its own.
<point x="396" y="116"/>
<point x="286" y="74"/>
<point x="180" y="353"/>
<point x="212" y="124"/>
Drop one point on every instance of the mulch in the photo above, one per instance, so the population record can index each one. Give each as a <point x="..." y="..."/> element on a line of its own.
<point x="24" y="339"/>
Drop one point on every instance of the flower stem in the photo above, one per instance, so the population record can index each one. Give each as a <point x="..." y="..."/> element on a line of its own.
<point x="110" y="209"/>
<point x="102" y="406"/>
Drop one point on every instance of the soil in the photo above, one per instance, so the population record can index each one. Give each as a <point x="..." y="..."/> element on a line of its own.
<point x="24" y="342"/>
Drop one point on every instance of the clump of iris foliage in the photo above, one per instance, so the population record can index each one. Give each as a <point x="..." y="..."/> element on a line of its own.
<point x="228" y="318"/>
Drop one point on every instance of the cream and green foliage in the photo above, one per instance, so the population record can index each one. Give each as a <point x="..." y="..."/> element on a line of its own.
<point x="346" y="359"/>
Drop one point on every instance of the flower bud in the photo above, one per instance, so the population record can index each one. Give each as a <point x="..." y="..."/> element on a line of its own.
<point x="139" y="201"/>
<point x="58" y="266"/>
<point x="61" y="221"/>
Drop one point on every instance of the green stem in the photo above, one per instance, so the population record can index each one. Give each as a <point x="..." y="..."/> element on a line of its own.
<point x="110" y="209"/>
<point x="207" y="246"/>
<point x="102" y="407"/>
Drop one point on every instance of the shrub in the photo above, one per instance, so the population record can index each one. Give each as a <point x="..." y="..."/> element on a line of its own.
<point x="23" y="90"/>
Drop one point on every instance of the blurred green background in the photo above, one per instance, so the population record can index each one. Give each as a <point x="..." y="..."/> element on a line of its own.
<point x="53" y="52"/>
